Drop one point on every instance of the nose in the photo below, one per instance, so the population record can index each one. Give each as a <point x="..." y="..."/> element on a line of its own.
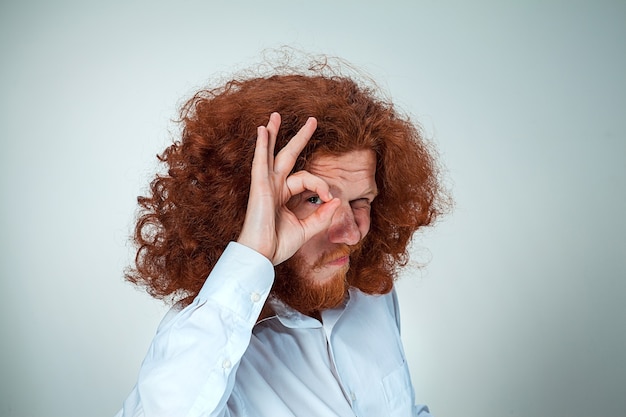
<point x="343" y="228"/>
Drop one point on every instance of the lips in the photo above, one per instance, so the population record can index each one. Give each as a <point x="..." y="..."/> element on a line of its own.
<point x="337" y="257"/>
<point x="342" y="260"/>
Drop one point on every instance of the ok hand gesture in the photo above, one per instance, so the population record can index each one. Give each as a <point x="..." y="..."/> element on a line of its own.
<point x="270" y="227"/>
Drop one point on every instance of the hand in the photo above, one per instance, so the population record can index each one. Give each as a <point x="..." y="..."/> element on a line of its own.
<point x="270" y="227"/>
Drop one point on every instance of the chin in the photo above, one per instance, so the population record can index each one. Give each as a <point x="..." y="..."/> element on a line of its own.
<point x="322" y="277"/>
<point x="310" y="294"/>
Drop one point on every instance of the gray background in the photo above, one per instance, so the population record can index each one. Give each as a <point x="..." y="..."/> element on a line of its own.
<point x="520" y="309"/>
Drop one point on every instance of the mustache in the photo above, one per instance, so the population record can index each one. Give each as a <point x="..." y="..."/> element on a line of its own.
<point x="334" y="254"/>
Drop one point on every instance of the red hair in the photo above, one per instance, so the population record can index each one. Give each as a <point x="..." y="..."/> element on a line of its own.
<point x="198" y="206"/>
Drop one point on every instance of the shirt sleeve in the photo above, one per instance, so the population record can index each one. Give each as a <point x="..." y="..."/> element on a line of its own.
<point x="190" y="367"/>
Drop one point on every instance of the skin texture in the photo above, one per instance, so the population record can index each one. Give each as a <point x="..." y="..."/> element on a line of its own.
<point x="350" y="178"/>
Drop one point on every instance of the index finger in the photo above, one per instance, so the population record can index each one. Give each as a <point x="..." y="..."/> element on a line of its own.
<point x="286" y="158"/>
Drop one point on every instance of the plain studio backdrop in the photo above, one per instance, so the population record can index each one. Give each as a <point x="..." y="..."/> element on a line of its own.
<point x="520" y="309"/>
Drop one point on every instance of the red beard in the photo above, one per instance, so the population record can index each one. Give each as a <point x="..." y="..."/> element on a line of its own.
<point x="296" y="289"/>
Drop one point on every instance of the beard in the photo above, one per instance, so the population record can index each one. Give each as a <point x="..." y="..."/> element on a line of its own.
<point x="294" y="286"/>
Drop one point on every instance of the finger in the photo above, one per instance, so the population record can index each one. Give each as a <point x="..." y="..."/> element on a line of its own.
<point x="260" y="159"/>
<point x="304" y="180"/>
<point x="273" y="125"/>
<point x="259" y="218"/>
<point x="286" y="158"/>
<point x="320" y="219"/>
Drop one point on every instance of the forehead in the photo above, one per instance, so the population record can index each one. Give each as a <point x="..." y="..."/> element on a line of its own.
<point x="351" y="167"/>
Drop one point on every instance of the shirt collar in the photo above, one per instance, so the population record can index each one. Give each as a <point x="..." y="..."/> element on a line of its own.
<point x="292" y="318"/>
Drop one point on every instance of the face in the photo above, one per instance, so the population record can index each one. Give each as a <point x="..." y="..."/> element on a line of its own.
<point x="316" y="274"/>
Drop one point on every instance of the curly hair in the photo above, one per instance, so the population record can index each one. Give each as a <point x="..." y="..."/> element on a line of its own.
<point x="199" y="205"/>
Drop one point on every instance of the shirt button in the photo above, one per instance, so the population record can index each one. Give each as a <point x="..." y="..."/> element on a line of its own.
<point x="226" y="364"/>
<point x="353" y="396"/>
<point x="255" y="297"/>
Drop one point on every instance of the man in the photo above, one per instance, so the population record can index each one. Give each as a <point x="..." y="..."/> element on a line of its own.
<point x="286" y="210"/>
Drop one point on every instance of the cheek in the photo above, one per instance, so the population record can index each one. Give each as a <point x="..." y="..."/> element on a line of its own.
<point x="308" y="253"/>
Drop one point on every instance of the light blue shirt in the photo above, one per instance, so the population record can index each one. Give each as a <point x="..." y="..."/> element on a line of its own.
<point x="212" y="358"/>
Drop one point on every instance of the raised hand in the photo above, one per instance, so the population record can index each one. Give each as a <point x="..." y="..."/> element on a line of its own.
<point x="270" y="227"/>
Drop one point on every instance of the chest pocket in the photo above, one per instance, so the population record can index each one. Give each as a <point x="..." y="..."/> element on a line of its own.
<point x="398" y="392"/>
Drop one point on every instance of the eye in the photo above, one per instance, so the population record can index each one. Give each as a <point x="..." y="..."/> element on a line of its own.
<point x="315" y="200"/>
<point x="360" y="203"/>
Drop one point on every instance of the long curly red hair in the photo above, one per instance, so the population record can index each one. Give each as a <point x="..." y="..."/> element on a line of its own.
<point x="198" y="206"/>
